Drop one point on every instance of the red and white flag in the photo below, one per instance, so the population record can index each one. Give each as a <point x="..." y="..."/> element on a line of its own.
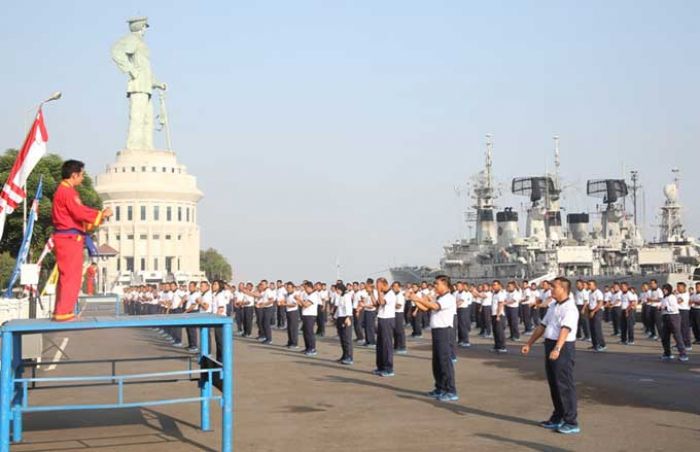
<point x="33" y="150"/>
<point x="47" y="249"/>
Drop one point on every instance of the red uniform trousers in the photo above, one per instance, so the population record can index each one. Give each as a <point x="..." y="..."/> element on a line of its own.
<point x="69" y="258"/>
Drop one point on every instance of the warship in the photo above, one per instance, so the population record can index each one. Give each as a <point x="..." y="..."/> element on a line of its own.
<point x="609" y="249"/>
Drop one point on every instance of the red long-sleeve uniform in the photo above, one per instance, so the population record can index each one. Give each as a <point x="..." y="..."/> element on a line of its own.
<point x="68" y="212"/>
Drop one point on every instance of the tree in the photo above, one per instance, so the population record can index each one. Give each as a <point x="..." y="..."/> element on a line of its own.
<point x="214" y="265"/>
<point x="7" y="264"/>
<point x="50" y="168"/>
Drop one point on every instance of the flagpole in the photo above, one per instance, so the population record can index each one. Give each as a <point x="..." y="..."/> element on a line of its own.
<point x="55" y="96"/>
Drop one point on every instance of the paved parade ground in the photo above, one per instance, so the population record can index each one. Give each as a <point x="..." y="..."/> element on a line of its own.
<point x="628" y="400"/>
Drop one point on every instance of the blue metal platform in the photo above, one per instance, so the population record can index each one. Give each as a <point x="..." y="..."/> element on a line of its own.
<point x="13" y="388"/>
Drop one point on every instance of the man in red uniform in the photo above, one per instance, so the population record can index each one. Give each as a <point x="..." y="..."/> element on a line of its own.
<point x="71" y="221"/>
<point x="90" y="279"/>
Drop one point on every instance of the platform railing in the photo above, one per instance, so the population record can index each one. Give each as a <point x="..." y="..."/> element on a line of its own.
<point x="14" y="400"/>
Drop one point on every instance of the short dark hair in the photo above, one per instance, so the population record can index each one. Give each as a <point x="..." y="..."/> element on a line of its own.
<point x="445" y="279"/>
<point x="71" y="167"/>
<point x="565" y="282"/>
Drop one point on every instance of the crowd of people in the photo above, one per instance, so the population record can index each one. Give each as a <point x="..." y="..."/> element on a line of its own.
<point x="359" y="309"/>
<point x="378" y="315"/>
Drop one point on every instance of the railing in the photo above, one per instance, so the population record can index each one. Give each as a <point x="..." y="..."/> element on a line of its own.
<point x="14" y="400"/>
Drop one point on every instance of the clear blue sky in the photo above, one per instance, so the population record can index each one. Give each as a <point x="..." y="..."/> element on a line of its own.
<point x="337" y="129"/>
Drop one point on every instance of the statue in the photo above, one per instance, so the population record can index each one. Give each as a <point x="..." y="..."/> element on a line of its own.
<point x="132" y="57"/>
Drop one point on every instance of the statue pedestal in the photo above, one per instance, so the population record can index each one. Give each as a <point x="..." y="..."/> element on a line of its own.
<point x="154" y="227"/>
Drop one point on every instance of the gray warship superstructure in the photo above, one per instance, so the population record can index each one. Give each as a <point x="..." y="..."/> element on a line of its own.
<point x="608" y="249"/>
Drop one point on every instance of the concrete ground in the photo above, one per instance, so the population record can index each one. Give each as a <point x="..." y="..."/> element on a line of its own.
<point x="628" y="400"/>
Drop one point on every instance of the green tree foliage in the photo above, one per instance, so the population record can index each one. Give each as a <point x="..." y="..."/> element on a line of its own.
<point x="7" y="264"/>
<point x="214" y="265"/>
<point x="50" y="168"/>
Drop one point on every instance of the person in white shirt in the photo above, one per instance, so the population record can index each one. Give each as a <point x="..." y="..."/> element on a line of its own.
<point x="486" y="297"/>
<point x="654" y="296"/>
<point x="321" y="318"/>
<point x="646" y="318"/>
<point x="192" y="306"/>
<point x="559" y="329"/>
<point x="386" y="313"/>
<point x="671" y="324"/>
<point x="581" y="296"/>
<point x="595" y="310"/>
<point x="684" y="311"/>
<point x="513" y="298"/>
<point x="695" y="313"/>
<point x="309" y="301"/>
<point x="441" y="323"/>
<point x="544" y="298"/>
<point x="399" y="320"/>
<point x="219" y="306"/>
<point x="343" y="321"/>
<point x="628" y="308"/>
<point x="280" y="314"/>
<point x="464" y="314"/>
<point x="358" y="324"/>
<point x="176" y="307"/>
<point x="291" y="306"/>
<point x="369" y="310"/>
<point x="416" y="314"/>
<point x="498" y="306"/>
<point x="526" y="307"/>
<point x="247" y="303"/>
<point x="616" y="308"/>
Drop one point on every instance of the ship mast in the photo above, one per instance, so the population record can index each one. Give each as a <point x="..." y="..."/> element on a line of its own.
<point x="483" y="194"/>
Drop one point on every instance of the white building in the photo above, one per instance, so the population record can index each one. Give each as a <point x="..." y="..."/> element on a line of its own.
<point x="154" y="227"/>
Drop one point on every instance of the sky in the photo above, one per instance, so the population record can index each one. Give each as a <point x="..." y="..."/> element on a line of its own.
<point x="326" y="132"/>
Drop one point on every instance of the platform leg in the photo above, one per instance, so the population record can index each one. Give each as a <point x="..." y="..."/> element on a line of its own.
<point x="6" y="389"/>
<point x="227" y="410"/>
<point x="17" y="389"/>
<point x="205" y="390"/>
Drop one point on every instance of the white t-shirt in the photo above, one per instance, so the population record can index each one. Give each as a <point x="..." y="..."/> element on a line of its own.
<point x="496" y="298"/>
<point x="281" y="294"/>
<point x="695" y="301"/>
<point x="487" y="298"/>
<point x="513" y="298"/>
<point x="616" y="299"/>
<point x="683" y="301"/>
<point x="192" y="300"/>
<point x="669" y="305"/>
<point x="220" y="301"/>
<point x="560" y="315"/>
<point x="400" y="301"/>
<point x="464" y="299"/>
<point x="544" y="295"/>
<point x="594" y="298"/>
<point x="357" y="298"/>
<point x="444" y="317"/>
<point x="655" y="296"/>
<point x="176" y="299"/>
<point x="367" y="301"/>
<point x="291" y="301"/>
<point x="315" y="300"/>
<point x="343" y="304"/>
<point x="581" y="297"/>
<point x="269" y="296"/>
<point x="208" y="299"/>
<point x="388" y="309"/>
